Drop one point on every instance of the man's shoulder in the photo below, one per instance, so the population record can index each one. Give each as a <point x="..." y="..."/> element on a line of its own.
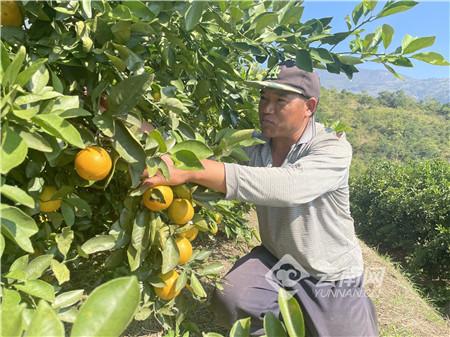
<point x="327" y="137"/>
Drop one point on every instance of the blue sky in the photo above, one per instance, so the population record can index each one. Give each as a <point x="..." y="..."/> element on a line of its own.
<point x="428" y="18"/>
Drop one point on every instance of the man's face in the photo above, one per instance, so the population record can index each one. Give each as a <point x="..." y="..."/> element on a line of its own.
<point x="282" y="114"/>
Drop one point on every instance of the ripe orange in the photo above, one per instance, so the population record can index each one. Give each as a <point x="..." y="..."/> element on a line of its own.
<point x="190" y="234"/>
<point x="168" y="291"/>
<point x="93" y="163"/>
<point x="46" y="204"/>
<point x="11" y="15"/>
<point x="158" y="205"/>
<point x="181" y="211"/>
<point x="185" y="250"/>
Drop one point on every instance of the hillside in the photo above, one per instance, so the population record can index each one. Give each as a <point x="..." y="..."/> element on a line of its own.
<point x="391" y="127"/>
<point x="402" y="312"/>
<point x="375" y="81"/>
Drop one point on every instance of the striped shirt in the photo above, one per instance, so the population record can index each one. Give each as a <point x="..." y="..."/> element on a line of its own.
<point x="303" y="206"/>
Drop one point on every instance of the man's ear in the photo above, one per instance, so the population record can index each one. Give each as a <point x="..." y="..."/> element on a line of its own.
<point x="311" y="104"/>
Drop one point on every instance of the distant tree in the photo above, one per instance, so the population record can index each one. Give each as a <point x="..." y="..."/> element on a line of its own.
<point x="395" y="99"/>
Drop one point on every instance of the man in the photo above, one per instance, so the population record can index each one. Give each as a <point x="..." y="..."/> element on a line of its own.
<point x="298" y="180"/>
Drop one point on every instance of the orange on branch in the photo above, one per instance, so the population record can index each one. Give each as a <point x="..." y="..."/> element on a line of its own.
<point x="158" y="198"/>
<point x="168" y="291"/>
<point x="46" y="202"/>
<point x="11" y="15"/>
<point x="93" y="163"/>
<point x="185" y="250"/>
<point x="181" y="211"/>
<point x="190" y="234"/>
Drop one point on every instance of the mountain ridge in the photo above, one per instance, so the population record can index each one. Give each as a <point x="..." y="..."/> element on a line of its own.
<point x="374" y="81"/>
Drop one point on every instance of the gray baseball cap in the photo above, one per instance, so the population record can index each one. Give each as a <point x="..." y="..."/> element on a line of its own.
<point x="293" y="79"/>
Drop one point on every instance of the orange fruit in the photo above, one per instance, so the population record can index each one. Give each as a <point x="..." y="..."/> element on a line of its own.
<point x="180" y="211"/>
<point x="11" y="15"/>
<point x="93" y="163"/>
<point x="168" y="291"/>
<point x="190" y="234"/>
<point x="185" y="250"/>
<point x="46" y="204"/>
<point x="154" y="204"/>
<point x="218" y="218"/>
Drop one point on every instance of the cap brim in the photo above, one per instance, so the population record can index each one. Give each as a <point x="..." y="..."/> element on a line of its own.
<point x="274" y="85"/>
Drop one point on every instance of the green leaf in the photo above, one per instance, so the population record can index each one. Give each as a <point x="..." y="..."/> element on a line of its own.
<point x="87" y="9"/>
<point x="61" y="272"/>
<point x="139" y="9"/>
<point x="264" y="20"/>
<point x="210" y="269"/>
<point x="45" y="323"/>
<point x="13" y="324"/>
<point x="272" y="326"/>
<point x="357" y="12"/>
<point x="13" y="150"/>
<point x="64" y="240"/>
<point x="35" y="141"/>
<point x="432" y="58"/>
<point x="59" y="127"/>
<point x="303" y="60"/>
<point x="292" y="314"/>
<point x="18" y="226"/>
<point x="197" y="286"/>
<point x="39" y="80"/>
<point x="14" y="67"/>
<point x="194" y="14"/>
<point x="105" y="124"/>
<point x="170" y="256"/>
<point x="2" y="244"/>
<point x="241" y="328"/>
<point x="174" y="104"/>
<point x="201" y="150"/>
<point x="37" y="288"/>
<point x="37" y="266"/>
<point x="126" y="145"/>
<point x="187" y="160"/>
<point x="68" y="298"/>
<point x="155" y="139"/>
<point x="116" y="61"/>
<point x="322" y="55"/>
<point x="396" y="7"/>
<point x="117" y="300"/>
<point x="392" y="71"/>
<point x="68" y="213"/>
<point x="73" y="113"/>
<point x="26" y="74"/>
<point x="181" y="282"/>
<point x="99" y="243"/>
<point x="33" y="98"/>
<point x="18" y="195"/>
<point x="418" y="43"/>
<point x="386" y="35"/>
<point x="126" y="94"/>
<point x="351" y="60"/>
<point x="291" y="14"/>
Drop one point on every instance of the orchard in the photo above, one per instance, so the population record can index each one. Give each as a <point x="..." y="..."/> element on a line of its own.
<point x="94" y="93"/>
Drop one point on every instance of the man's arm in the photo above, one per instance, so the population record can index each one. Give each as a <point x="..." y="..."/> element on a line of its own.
<point x="212" y="176"/>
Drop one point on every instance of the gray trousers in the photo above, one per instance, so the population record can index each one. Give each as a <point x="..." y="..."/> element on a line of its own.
<point x="332" y="309"/>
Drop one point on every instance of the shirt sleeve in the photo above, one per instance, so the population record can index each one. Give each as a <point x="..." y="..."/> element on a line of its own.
<point x="322" y="170"/>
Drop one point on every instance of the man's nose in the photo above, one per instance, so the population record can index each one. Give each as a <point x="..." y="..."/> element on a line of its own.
<point x="269" y="109"/>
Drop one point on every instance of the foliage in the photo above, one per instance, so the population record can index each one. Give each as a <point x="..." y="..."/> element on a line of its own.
<point x="141" y="79"/>
<point x="415" y="130"/>
<point x="404" y="209"/>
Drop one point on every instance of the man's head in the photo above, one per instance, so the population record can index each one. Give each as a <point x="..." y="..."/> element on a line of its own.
<point x="288" y="102"/>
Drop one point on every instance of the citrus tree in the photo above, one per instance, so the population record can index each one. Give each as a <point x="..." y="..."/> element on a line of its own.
<point x="93" y="94"/>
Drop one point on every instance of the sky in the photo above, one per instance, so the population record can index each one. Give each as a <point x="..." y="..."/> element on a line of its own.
<point x="428" y="18"/>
